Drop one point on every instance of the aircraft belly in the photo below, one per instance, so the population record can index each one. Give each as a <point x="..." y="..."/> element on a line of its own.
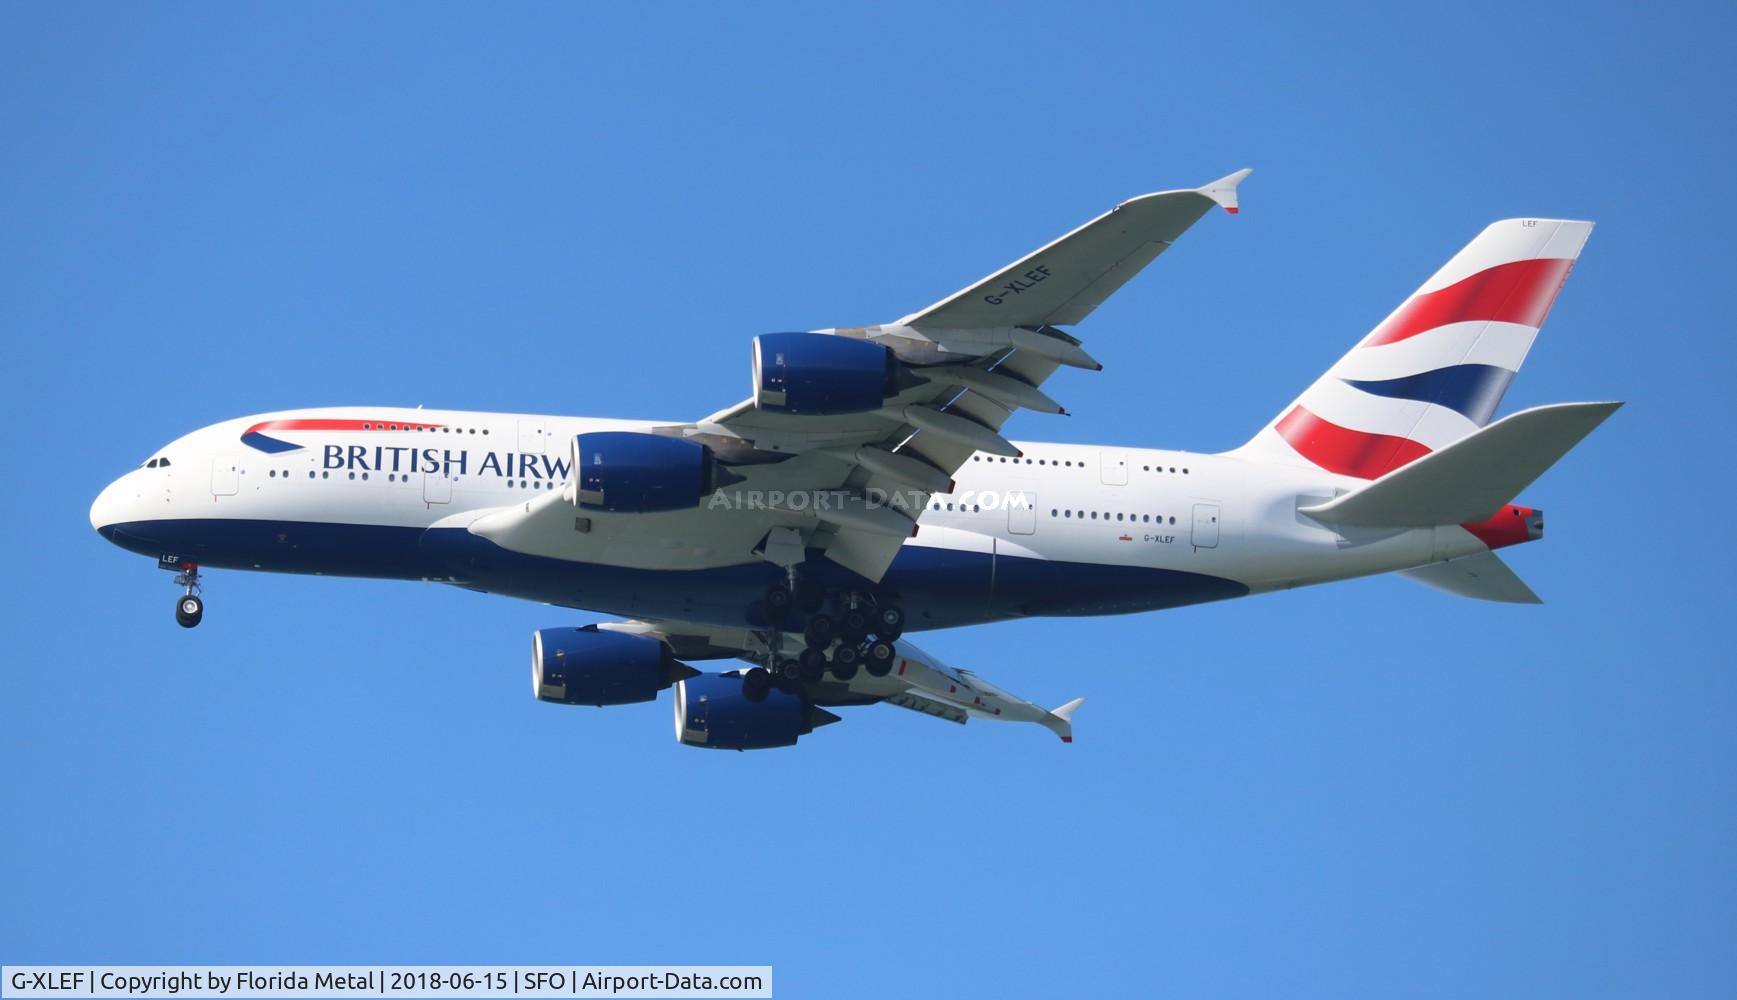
<point x="938" y="587"/>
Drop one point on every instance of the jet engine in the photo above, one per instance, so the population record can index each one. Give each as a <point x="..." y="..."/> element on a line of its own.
<point x="723" y="712"/>
<point x="589" y="666"/>
<point x="642" y="473"/>
<point x="820" y="373"/>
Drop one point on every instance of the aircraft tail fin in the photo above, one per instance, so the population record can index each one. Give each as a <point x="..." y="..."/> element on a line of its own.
<point x="1468" y="482"/>
<point x="1436" y="368"/>
<point x="1482" y="576"/>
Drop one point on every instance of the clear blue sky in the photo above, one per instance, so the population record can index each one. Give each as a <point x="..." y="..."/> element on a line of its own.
<point x="1366" y="789"/>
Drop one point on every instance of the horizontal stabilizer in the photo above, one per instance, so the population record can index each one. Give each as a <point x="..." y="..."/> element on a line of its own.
<point x="1061" y="720"/>
<point x="1469" y="480"/>
<point x="1483" y="576"/>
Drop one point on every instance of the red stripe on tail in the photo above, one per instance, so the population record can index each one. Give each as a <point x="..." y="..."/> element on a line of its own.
<point x="1343" y="450"/>
<point x="1520" y="291"/>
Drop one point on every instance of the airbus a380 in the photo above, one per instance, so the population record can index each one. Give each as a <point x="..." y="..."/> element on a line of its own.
<point x="865" y="491"/>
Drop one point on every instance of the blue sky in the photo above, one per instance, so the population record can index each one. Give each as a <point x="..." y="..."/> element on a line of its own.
<point x="1362" y="789"/>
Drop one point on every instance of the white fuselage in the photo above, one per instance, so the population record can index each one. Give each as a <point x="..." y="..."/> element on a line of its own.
<point x="1064" y="529"/>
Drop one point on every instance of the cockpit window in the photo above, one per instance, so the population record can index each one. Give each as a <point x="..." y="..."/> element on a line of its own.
<point x="157" y="463"/>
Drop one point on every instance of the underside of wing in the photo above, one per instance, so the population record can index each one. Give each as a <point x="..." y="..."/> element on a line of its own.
<point x="913" y="679"/>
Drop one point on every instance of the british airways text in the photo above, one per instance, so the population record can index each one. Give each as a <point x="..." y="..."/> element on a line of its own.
<point x="385" y="458"/>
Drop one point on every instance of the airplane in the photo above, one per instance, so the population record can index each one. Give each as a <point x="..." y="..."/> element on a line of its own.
<point x="865" y="491"/>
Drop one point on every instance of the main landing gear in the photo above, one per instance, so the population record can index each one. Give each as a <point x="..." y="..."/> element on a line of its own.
<point x="842" y="633"/>
<point x="189" y="608"/>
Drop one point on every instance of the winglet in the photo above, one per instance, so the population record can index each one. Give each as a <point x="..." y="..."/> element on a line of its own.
<point x="1061" y="720"/>
<point x="1223" y="190"/>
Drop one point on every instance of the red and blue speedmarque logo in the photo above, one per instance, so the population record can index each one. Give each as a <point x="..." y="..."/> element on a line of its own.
<point x="256" y="437"/>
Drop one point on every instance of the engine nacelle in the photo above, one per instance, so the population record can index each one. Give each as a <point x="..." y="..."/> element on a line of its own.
<point x="589" y="666"/>
<point x="820" y="373"/>
<point x="715" y="710"/>
<point x="641" y="473"/>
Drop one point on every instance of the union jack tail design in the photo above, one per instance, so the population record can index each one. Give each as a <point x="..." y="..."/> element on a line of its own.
<point x="1436" y="368"/>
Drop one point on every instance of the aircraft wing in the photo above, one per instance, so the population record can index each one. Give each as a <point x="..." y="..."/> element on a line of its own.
<point x="1062" y="282"/>
<point x="978" y="354"/>
<point x="852" y="485"/>
<point x="918" y="681"/>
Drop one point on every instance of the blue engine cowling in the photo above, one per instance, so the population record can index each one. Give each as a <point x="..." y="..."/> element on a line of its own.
<point x="716" y="711"/>
<point x="588" y="666"/>
<point x="820" y="373"/>
<point x="641" y="473"/>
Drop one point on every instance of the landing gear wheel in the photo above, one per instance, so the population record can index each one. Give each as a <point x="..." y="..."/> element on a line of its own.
<point x="878" y="658"/>
<point x="844" y="662"/>
<point x="786" y="669"/>
<point x="889" y="622"/>
<point x="820" y="632"/>
<point x="778" y="600"/>
<point x="810" y="596"/>
<point x="855" y="624"/>
<point x="811" y="666"/>
<point x="756" y="682"/>
<point x="189" y="610"/>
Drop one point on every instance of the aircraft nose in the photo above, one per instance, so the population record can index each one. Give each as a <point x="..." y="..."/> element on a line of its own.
<point x="107" y="510"/>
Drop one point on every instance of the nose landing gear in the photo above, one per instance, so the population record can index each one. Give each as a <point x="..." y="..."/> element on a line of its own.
<point x="189" y="608"/>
